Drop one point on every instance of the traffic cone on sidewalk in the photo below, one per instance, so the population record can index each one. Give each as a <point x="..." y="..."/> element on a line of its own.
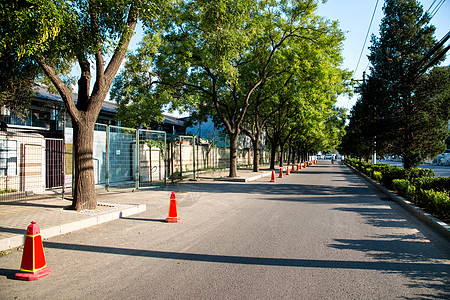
<point x="272" y="179"/>
<point x="287" y="171"/>
<point x="173" y="212"/>
<point x="281" y="173"/>
<point x="298" y="167"/>
<point x="33" y="264"/>
<point x="293" y="169"/>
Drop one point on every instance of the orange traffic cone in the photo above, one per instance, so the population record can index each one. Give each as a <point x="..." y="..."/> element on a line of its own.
<point x="281" y="173"/>
<point x="287" y="171"/>
<point x="272" y="179"/>
<point x="298" y="167"/>
<point x="173" y="212"/>
<point x="293" y="169"/>
<point x="33" y="264"/>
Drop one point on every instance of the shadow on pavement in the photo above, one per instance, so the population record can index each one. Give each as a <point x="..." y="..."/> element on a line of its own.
<point x="13" y="230"/>
<point x="425" y="269"/>
<point x="36" y="203"/>
<point x="410" y="249"/>
<point x="142" y="219"/>
<point x="8" y="273"/>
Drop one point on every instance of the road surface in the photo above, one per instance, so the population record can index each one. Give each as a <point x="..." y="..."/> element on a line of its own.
<point x="321" y="233"/>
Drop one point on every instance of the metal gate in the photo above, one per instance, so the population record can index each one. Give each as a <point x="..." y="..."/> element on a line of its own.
<point x="54" y="162"/>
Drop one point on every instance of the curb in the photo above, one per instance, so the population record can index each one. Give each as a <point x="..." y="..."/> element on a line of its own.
<point x="95" y="218"/>
<point x="433" y="222"/>
<point x="242" y="179"/>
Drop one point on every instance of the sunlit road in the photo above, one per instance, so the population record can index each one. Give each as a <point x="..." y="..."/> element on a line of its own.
<point x="321" y="233"/>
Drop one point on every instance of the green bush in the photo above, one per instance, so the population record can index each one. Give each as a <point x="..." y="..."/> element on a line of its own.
<point x="400" y="186"/>
<point x="417" y="185"/>
<point x="7" y="191"/>
<point x="388" y="175"/>
<point x="441" y="184"/>
<point x="377" y="176"/>
<point x="435" y="202"/>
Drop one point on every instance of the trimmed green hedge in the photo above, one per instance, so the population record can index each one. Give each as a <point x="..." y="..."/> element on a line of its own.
<point x="417" y="185"/>
<point x="385" y="173"/>
<point x="434" y="202"/>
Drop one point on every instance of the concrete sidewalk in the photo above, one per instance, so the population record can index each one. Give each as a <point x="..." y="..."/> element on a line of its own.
<point x="54" y="218"/>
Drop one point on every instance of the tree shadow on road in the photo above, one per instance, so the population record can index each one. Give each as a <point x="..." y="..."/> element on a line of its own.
<point x="426" y="269"/>
<point x="413" y="248"/>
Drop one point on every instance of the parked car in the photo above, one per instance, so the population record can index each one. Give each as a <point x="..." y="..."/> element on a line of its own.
<point x="329" y="156"/>
<point x="443" y="159"/>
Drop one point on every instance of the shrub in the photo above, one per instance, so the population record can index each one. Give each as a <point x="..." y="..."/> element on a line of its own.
<point x="6" y="191"/>
<point x="441" y="184"/>
<point x="377" y="176"/>
<point x="435" y="202"/>
<point x="400" y="186"/>
<point x="400" y="173"/>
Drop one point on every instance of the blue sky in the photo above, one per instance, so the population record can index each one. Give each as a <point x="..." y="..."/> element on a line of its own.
<point x="354" y="19"/>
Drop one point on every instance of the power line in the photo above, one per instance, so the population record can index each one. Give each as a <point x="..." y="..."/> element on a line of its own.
<point x="436" y="9"/>
<point x="367" y="34"/>
<point x="430" y="6"/>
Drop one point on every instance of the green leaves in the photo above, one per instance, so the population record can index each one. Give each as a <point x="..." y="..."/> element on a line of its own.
<point x="398" y="109"/>
<point x="28" y="27"/>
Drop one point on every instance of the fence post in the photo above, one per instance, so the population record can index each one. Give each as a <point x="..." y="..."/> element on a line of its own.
<point x="193" y="154"/>
<point x="136" y="182"/>
<point x="181" y="160"/>
<point x="107" y="159"/>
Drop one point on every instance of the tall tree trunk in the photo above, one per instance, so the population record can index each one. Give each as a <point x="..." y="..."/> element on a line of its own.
<point x="84" y="194"/>
<point x="273" y="151"/>
<point x="289" y="154"/>
<point x="233" y="155"/>
<point x="281" y="155"/>
<point x="255" y="143"/>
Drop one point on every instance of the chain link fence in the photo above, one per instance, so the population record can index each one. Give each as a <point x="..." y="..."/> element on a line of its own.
<point x="32" y="166"/>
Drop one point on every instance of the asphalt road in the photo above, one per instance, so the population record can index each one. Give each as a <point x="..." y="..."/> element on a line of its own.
<point x="318" y="234"/>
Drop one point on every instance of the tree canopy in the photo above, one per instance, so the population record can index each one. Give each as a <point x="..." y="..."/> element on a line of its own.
<point x="221" y="58"/>
<point x="50" y="36"/>
<point x="393" y="114"/>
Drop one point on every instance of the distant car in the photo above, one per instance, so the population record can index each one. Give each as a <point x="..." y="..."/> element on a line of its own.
<point x="319" y="156"/>
<point x="329" y="156"/>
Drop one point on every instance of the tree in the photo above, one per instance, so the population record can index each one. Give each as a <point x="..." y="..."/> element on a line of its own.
<point x="200" y="45"/>
<point x="405" y="40"/>
<point x="134" y="88"/>
<point x="428" y="129"/>
<point x="224" y="54"/>
<point x="88" y="32"/>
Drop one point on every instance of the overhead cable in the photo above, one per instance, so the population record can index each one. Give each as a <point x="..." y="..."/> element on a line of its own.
<point x="365" y="40"/>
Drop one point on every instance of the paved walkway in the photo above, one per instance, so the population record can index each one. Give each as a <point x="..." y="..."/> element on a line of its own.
<point x="54" y="218"/>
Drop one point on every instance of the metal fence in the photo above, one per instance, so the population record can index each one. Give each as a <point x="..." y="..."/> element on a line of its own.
<point x="32" y="165"/>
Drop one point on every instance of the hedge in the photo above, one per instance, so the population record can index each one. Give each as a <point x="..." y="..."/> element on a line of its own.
<point x="417" y="185"/>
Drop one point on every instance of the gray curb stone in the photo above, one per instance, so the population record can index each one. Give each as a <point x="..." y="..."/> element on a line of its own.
<point x="116" y="211"/>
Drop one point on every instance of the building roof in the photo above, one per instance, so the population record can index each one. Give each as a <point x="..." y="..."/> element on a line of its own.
<point x="43" y="93"/>
<point x="172" y="120"/>
<point x="107" y="106"/>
